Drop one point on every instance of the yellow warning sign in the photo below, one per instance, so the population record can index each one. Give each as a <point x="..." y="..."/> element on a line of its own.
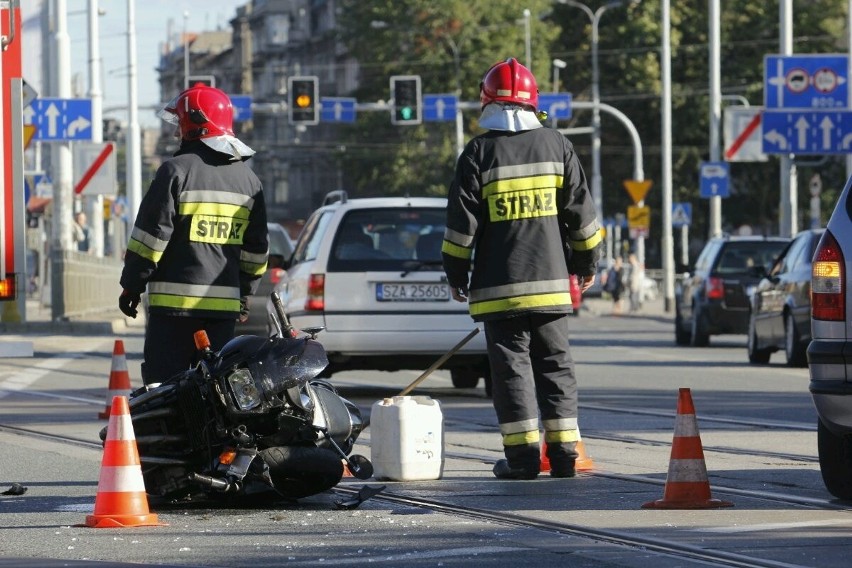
<point x="637" y="189"/>
<point x="29" y="132"/>
<point x="638" y="217"/>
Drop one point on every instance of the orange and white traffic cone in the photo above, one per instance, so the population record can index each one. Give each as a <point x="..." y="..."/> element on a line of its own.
<point x="121" y="499"/>
<point x="119" y="378"/>
<point x="583" y="463"/>
<point x="687" y="486"/>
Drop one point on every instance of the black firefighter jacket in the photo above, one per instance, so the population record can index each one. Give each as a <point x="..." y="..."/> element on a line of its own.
<point x="519" y="209"/>
<point x="200" y="240"/>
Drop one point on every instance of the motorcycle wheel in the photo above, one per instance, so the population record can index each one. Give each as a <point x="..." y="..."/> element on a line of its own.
<point x="300" y="471"/>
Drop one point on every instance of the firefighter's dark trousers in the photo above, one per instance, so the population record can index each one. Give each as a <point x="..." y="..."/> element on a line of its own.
<point x="532" y="375"/>
<point x="170" y="345"/>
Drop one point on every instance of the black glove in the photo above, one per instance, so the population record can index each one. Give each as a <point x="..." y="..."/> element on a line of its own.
<point x="127" y="303"/>
<point x="244" y="310"/>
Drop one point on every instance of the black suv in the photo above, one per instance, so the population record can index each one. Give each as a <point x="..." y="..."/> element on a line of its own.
<point x="714" y="298"/>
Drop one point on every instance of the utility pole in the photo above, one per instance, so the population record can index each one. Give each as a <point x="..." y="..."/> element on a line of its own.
<point x="788" y="175"/>
<point x="715" y="111"/>
<point x="134" y="156"/>
<point x="95" y="202"/>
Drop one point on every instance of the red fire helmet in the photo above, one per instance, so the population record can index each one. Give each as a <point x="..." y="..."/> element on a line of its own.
<point x="509" y="81"/>
<point x="200" y="112"/>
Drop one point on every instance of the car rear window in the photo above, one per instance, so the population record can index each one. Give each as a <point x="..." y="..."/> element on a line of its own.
<point x="403" y="238"/>
<point x="740" y="257"/>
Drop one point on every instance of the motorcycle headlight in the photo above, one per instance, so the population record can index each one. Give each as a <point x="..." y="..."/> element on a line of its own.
<point x="244" y="390"/>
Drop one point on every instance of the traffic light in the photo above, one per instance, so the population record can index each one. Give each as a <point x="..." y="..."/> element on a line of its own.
<point x="303" y="105"/>
<point x="406" y="95"/>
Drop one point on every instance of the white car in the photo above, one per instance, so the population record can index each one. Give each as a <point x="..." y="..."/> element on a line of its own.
<point x="370" y="272"/>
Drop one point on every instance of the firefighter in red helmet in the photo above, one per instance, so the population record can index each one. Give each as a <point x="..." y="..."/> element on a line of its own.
<point x="521" y="217"/>
<point x="199" y="244"/>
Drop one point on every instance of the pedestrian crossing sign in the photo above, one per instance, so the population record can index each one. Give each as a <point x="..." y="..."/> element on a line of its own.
<point x="681" y="214"/>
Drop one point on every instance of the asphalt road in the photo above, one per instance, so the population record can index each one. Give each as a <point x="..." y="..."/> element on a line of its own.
<point x="756" y="425"/>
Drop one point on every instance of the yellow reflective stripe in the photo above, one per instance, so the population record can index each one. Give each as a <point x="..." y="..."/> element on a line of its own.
<point x="521" y="184"/>
<point x="194" y="303"/>
<point x="144" y="251"/>
<point x="521" y="303"/>
<point x="458" y="238"/>
<point x="587" y="244"/>
<point x="216" y="196"/>
<point x="522" y="170"/>
<point x="526" y="204"/>
<point x="456" y="251"/>
<point x="253" y="268"/>
<point x="214" y="209"/>
<point x="555" y="437"/>
<point x="148" y="239"/>
<point x="519" y="289"/>
<point x="522" y="438"/>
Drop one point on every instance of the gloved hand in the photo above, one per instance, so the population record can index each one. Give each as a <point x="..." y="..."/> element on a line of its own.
<point x="244" y="310"/>
<point x="128" y="302"/>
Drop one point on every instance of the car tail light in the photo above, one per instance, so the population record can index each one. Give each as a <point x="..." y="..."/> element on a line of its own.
<point x="275" y="275"/>
<point x="715" y="288"/>
<point x="316" y="293"/>
<point x="828" y="281"/>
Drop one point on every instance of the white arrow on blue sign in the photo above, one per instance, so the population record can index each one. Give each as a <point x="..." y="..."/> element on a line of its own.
<point x="337" y="109"/>
<point x="440" y="108"/>
<point x="557" y="105"/>
<point x="60" y="120"/>
<point x="714" y="179"/>
<point x="807" y="132"/>
<point x="242" y="107"/>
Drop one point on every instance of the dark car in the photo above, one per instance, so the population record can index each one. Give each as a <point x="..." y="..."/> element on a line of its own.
<point x="713" y="299"/>
<point x="280" y="250"/>
<point x="781" y="304"/>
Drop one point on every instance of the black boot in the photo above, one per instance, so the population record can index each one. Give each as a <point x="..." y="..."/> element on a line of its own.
<point x="502" y="470"/>
<point x="562" y="457"/>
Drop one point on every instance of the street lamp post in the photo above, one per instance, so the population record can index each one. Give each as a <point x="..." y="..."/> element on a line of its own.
<point x="557" y="65"/>
<point x="527" y="39"/>
<point x="595" y="18"/>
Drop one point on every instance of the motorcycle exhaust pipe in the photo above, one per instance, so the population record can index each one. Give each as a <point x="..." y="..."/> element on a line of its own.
<point x="215" y="483"/>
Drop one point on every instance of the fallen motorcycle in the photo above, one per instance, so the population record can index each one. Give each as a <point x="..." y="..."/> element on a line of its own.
<point x="251" y="420"/>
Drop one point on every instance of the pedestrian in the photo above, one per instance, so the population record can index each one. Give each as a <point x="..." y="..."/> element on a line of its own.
<point x="520" y="212"/>
<point x="614" y="285"/>
<point x="81" y="232"/>
<point x="199" y="244"/>
<point x="635" y="281"/>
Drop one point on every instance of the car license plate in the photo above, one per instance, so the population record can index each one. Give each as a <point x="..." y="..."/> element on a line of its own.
<point x="399" y="292"/>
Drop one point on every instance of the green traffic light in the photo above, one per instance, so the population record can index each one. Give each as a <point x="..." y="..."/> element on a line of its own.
<point x="406" y="113"/>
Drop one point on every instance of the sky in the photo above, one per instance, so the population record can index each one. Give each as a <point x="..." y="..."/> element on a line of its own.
<point x="153" y="19"/>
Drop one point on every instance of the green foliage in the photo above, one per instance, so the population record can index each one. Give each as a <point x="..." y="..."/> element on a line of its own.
<point x="451" y="43"/>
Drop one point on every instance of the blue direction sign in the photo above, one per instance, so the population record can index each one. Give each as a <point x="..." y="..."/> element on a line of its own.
<point x="681" y="214"/>
<point x="807" y="132"/>
<point x="806" y="81"/>
<point x="337" y="109"/>
<point x="714" y="179"/>
<point x="439" y="108"/>
<point x="242" y="107"/>
<point x="557" y="105"/>
<point x="60" y="120"/>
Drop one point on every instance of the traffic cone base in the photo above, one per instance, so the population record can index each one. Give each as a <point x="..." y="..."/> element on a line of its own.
<point x="121" y="500"/>
<point x="119" y="378"/>
<point x="687" y="485"/>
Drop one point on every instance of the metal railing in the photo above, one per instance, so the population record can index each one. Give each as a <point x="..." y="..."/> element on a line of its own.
<point x="82" y="284"/>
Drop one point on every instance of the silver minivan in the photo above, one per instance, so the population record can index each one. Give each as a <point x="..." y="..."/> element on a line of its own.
<point x="830" y="353"/>
<point x="369" y="270"/>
